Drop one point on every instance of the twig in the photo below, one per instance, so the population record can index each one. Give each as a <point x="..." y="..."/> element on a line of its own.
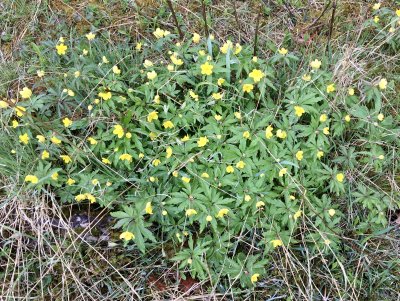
<point x="256" y="32"/>
<point x="181" y="35"/>
<point x="203" y="11"/>
<point x="331" y="22"/>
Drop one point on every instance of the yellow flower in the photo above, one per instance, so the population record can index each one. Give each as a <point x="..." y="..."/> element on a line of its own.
<point x="54" y="176"/>
<point x="41" y="138"/>
<point x="298" y="111"/>
<point x="398" y="12"/>
<point x="186" y="179"/>
<point x="152" y="116"/>
<point x="104" y="60"/>
<point x="168" y="152"/>
<point x="15" y="124"/>
<point x="77" y="74"/>
<point x="141" y="156"/>
<point x="95" y="181"/>
<point x="292" y="197"/>
<point x="238" y="115"/>
<point x="170" y="67"/>
<point x="391" y="30"/>
<point x="55" y="140"/>
<point x="126" y="157"/>
<point x="340" y="177"/>
<point x="282" y="172"/>
<point x="152" y="179"/>
<point x="205" y="175"/>
<point x="80" y="197"/>
<point x="347" y="118"/>
<point x="90" y="36"/>
<point x="217" y="96"/>
<point x="61" y="40"/>
<point x="306" y="77"/>
<point x="227" y="45"/>
<point x="61" y="49"/>
<point x="67" y="122"/>
<point x="151" y="75"/>
<point x="164" y="212"/>
<point x="254" y="278"/>
<point x="323" y="118"/>
<point x="196" y="38"/>
<point x="105" y="161"/>
<point x="202" y="141"/>
<point x="90" y="197"/>
<point x="148" y="208"/>
<point x="138" y="46"/>
<point x="85" y="52"/>
<point x="152" y="135"/>
<point x="281" y="134"/>
<point x="202" y="53"/>
<point x="175" y="60"/>
<point x="238" y="48"/>
<point x="168" y="124"/>
<point x="350" y="91"/>
<point x="299" y="155"/>
<point x="147" y="63"/>
<point x="331" y="212"/>
<point x="190" y="212"/>
<point x="246" y="135"/>
<point x="70" y="182"/>
<point x="383" y="84"/>
<point x="256" y="75"/>
<point x="248" y="88"/>
<point x="326" y="130"/>
<point x="118" y="130"/>
<point x="185" y="138"/>
<point x="277" y="243"/>
<point x="193" y="95"/>
<point x="24" y="138"/>
<point x="268" y="132"/>
<point x="376" y="19"/>
<point x="217" y="117"/>
<point x="3" y="104"/>
<point x="297" y="214"/>
<point x="222" y="212"/>
<point x="20" y="111"/>
<point x="25" y="93"/>
<point x="381" y="117"/>
<point x="45" y="155"/>
<point x="31" y="178"/>
<point x="254" y="59"/>
<point x="247" y="198"/>
<point x="376" y="6"/>
<point x="127" y="236"/>
<point x="159" y="33"/>
<point x="229" y="169"/>
<point x="156" y="162"/>
<point x="220" y="81"/>
<point x="320" y="154"/>
<point x="330" y="88"/>
<point x="260" y="204"/>
<point x="240" y="165"/>
<point x="116" y="70"/>
<point x="283" y="51"/>
<point x="209" y="218"/>
<point x="206" y="68"/>
<point x="92" y="141"/>
<point x="67" y="159"/>
<point x="316" y="64"/>
<point x="175" y="173"/>
<point x="105" y="95"/>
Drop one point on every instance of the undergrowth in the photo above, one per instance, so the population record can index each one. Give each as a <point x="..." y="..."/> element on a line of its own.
<point x="228" y="175"/>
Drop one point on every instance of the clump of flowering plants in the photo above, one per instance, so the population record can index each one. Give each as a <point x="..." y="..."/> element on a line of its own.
<point x="197" y="145"/>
